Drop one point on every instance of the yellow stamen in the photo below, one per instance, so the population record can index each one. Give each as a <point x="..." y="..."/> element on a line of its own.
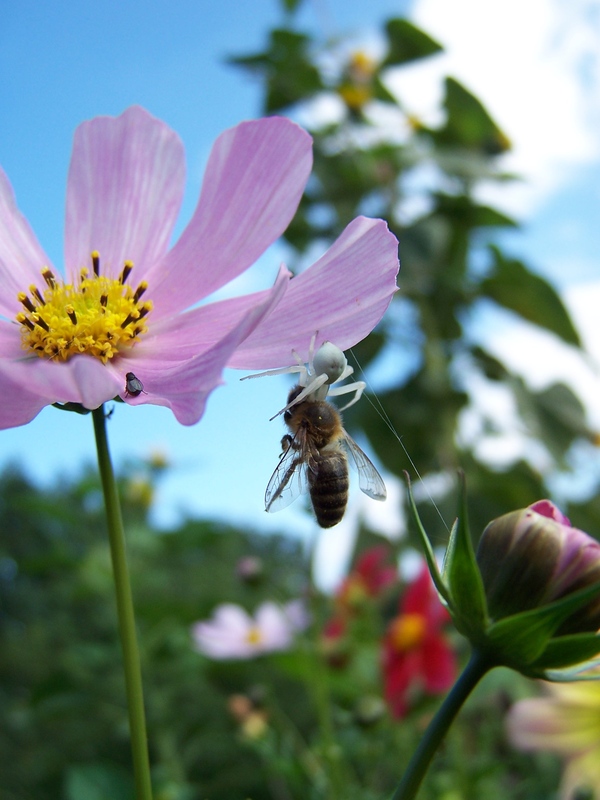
<point x="407" y="631"/>
<point x="99" y="316"/>
<point x="254" y="636"/>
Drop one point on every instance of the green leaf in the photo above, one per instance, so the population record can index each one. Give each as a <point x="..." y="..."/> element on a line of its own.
<point x="289" y="74"/>
<point x="98" y="782"/>
<point x="468" y="123"/>
<point x="492" y="368"/>
<point x="465" y="211"/>
<point x="461" y="574"/>
<point x="407" y="43"/>
<point x="554" y="415"/>
<point x="381" y="93"/>
<point x="429" y="554"/>
<point x="513" y="286"/>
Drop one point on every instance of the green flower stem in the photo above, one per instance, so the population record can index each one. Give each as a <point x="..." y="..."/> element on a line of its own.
<point x="131" y="657"/>
<point x="475" y="670"/>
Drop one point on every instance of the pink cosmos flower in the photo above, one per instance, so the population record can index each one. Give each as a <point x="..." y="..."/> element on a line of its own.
<point x="416" y="652"/>
<point x="233" y="633"/>
<point x="119" y="324"/>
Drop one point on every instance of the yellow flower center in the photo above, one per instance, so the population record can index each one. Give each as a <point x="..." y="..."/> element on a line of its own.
<point x="355" y="96"/>
<point x="254" y="636"/>
<point x="407" y="631"/>
<point x="98" y="316"/>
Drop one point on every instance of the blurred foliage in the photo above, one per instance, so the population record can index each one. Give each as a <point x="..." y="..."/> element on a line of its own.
<point x="374" y="156"/>
<point x="63" y="718"/>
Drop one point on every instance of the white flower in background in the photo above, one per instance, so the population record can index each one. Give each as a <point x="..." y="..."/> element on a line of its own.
<point x="233" y="633"/>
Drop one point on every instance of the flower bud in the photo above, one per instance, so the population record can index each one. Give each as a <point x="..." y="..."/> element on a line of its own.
<point x="529" y="599"/>
<point x="250" y="570"/>
<point x="532" y="557"/>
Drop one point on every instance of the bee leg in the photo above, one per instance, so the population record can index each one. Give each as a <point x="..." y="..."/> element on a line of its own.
<point x="287" y="441"/>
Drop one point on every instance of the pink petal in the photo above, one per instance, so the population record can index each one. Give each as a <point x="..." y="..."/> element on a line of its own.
<point x="547" y="509"/>
<point x="184" y="386"/>
<point x="342" y="296"/>
<point x="182" y="336"/>
<point x="83" y="379"/>
<point x="10" y="341"/>
<point x="21" y="257"/>
<point x="296" y="614"/>
<point x="252" y="186"/>
<point x="275" y="629"/>
<point x="124" y="191"/>
<point x="18" y="406"/>
<point x="542" y="724"/>
<point x="225" y="635"/>
<point x="232" y="618"/>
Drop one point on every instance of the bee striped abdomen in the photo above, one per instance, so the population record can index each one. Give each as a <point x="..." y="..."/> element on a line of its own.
<point x="329" y="488"/>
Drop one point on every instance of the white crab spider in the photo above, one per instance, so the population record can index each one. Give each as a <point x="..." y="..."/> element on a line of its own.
<point x="324" y="368"/>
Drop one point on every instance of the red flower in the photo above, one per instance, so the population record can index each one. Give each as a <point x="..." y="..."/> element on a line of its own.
<point x="369" y="578"/>
<point x="416" y="653"/>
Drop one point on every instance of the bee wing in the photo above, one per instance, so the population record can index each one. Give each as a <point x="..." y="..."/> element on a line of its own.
<point x="369" y="480"/>
<point x="289" y="479"/>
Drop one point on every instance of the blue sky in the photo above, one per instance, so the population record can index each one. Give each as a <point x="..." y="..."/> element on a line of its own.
<point x="61" y="63"/>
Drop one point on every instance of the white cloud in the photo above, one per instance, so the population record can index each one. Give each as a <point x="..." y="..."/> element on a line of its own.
<point x="540" y="359"/>
<point x="536" y="67"/>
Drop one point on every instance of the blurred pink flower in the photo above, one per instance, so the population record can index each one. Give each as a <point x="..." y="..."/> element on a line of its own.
<point x="122" y="306"/>
<point x="565" y="722"/>
<point x="416" y="653"/>
<point x="233" y="633"/>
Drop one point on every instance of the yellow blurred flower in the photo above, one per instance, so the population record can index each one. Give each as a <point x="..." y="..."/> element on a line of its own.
<point x="356" y="86"/>
<point x="566" y="721"/>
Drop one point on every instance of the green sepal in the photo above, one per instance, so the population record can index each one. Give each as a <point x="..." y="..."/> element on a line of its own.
<point x="564" y="651"/>
<point x="76" y="407"/>
<point x="429" y="554"/>
<point x="461" y="573"/>
<point x="586" y="671"/>
<point x="520" y="640"/>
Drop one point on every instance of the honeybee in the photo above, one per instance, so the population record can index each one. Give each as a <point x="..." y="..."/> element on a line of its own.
<point x="315" y="459"/>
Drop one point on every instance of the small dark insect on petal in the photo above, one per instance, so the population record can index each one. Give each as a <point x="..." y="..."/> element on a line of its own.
<point x="133" y="385"/>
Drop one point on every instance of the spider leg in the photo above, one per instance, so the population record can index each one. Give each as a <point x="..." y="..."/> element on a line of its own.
<point x="345" y="374"/>
<point x="311" y="353"/>
<point x="357" y="387"/>
<point x="280" y="371"/>
<point x="312" y="388"/>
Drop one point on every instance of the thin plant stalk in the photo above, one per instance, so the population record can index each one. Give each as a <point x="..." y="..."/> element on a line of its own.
<point x="476" y="668"/>
<point x="127" y="632"/>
